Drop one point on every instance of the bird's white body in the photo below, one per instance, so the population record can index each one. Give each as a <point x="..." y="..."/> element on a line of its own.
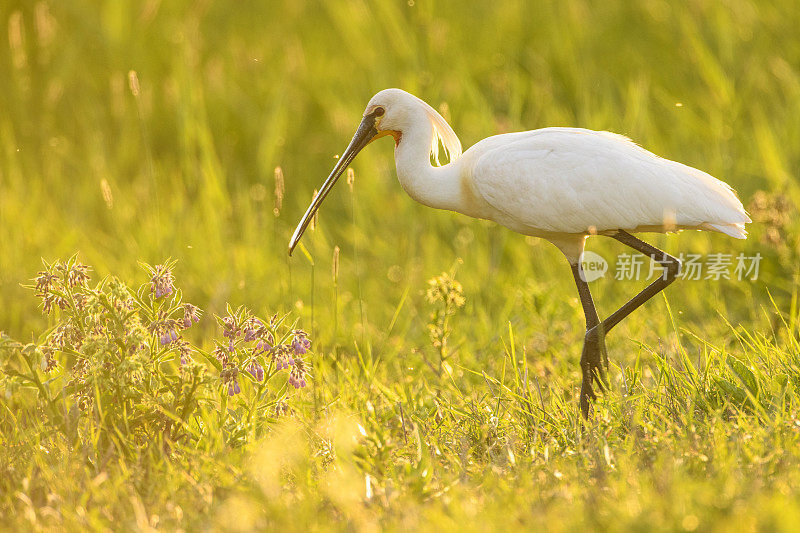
<point x="561" y="184"/>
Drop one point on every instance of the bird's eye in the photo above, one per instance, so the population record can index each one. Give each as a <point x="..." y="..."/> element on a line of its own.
<point x="379" y="111"/>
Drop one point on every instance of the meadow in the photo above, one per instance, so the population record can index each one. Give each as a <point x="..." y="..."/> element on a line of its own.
<point x="443" y="375"/>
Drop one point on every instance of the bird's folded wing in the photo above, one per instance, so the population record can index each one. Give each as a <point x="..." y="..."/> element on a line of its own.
<point x="574" y="180"/>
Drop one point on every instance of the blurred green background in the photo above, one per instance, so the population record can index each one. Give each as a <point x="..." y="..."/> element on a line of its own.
<point x="179" y="162"/>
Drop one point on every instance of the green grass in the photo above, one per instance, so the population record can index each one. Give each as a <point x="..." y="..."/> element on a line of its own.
<point x="701" y="428"/>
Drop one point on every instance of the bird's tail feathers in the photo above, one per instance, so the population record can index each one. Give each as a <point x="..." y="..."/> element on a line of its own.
<point x="736" y="231"/>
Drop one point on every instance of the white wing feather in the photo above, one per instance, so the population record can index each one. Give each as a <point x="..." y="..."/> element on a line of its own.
<point x="571" y="180"/>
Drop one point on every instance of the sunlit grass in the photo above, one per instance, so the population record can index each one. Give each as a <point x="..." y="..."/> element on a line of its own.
<point x="139" y="131"/>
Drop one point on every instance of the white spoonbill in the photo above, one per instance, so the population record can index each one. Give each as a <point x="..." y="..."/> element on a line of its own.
<point x="561" y="184"/>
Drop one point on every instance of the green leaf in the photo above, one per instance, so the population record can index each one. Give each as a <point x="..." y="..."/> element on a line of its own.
<point x="744" y="374"/>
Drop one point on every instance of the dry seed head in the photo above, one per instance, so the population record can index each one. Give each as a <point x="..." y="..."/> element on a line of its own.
<point x="279" y="188"/>
<point x="105" y="188"/>
<point x="45" y="24"/>
<point x="133" y="83"/>
<point x="335" y="267"/>
<point x="16" y="39"/>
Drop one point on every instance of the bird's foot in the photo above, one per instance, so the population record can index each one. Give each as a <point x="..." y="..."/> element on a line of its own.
<point x="594" y="363"/>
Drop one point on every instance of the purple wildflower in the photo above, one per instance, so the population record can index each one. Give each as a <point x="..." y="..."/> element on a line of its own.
<point x="184" y="350"/>
<point x="297" y="377"/>
<point x="283" y="357"/>
<point x="265" y="343"/>
<point x="252" y="328"/>
<point x="44" y="282"/>
<point x="51" y="299"/>
<point x="167" y="336"/>
<point x="222" y="355"/>
<point x="228" y="375"/>
<point x="81" y="301"/>
<point x="191" y="315"/>
<point x="78" y="274"/>
<point x="296" y="382"/>
<point x="281" y="408"/>
<point x="229" y="328"/>
<point x="301" y="343"/>
<point x="64" y="335"/>
<point x="162" y="281"/>
<point x="256" y="370"/>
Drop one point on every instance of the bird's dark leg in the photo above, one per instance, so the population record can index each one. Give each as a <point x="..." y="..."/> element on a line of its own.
<point x="596" y="330"/>
<point x="593" y="348"/>
<point x="670" y="264"/>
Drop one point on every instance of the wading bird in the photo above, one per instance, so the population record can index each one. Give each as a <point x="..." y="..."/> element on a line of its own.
<point x="560" y="184"/>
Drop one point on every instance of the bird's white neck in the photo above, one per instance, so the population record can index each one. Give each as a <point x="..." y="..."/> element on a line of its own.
<point x="438" y="187"/>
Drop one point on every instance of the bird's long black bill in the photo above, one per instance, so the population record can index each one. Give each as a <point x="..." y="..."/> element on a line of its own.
<point x="365" y="133"/>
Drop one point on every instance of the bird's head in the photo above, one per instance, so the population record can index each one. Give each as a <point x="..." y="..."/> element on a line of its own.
<point x="392" y="111"/>
<point x="389" y="112"/>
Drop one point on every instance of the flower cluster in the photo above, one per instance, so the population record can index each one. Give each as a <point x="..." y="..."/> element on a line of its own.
<point x="57" y="283"/>
<point x="64" y="284"/>
<point x="445" y="289"/>
<point x="120" y="359"/>
<point x="301" y="343"/>
<point x="162" y="281"/>
<point x="184" y="351"/>
<point x="109" y="317"/>
<point x="165" y="328"/>
<point x="447" y="297"/>
<point x="191" y="315"/>
<point x="260" y="348"/>
<point x="108" y="332"/>
<point x="774" y="211"/>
